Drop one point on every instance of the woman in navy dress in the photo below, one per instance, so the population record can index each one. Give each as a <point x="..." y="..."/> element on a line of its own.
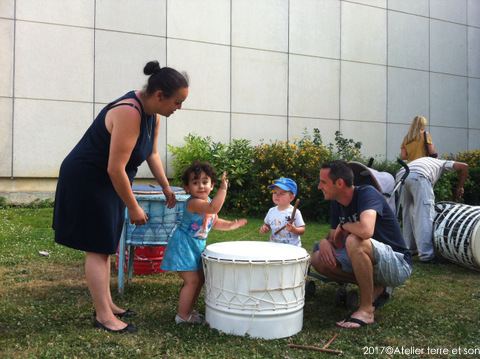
<point x="95" y="181"/>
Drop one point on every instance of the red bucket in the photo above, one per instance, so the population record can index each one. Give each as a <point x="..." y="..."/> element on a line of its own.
<point x="146" y="260"/>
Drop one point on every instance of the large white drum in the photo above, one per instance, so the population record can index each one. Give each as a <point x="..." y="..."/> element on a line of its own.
<point x="255" y="288"/>
<point x="456" y="233"/>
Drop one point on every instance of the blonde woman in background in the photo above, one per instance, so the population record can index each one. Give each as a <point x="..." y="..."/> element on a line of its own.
<point x="413" y="145"/>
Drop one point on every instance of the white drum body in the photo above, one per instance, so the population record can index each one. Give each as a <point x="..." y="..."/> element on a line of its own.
<point x="255" y="288"/>
<point x="456" y="233"/>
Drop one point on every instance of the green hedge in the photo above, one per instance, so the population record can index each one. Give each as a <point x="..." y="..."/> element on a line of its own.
<point x="446" y="187"/>
<point x="251" y="169"/>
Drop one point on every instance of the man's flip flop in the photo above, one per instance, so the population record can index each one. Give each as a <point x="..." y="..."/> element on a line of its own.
<point x="357" y="321"/>
<point x="382" y="299"/>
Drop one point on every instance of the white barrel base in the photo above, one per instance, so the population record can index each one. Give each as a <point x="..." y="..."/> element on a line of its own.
<point x="273" y="325"/>
<point x="255" y="288"/>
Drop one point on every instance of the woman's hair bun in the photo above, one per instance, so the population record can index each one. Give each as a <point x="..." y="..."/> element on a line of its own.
<point x="165" y="79"/>
<point x="151" y="68"/>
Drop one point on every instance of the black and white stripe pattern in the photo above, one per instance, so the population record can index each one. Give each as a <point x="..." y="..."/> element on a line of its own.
<point x="456" y="234"/>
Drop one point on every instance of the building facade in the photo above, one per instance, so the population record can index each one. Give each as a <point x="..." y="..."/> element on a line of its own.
<point x="259" y="69"/>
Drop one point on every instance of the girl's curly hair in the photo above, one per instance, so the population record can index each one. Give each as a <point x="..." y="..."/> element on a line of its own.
<point x="197" y="168"/>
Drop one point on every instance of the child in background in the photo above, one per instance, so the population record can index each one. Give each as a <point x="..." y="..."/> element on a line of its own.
<point x="284" y="192"/>
<point x="183" y="253"/>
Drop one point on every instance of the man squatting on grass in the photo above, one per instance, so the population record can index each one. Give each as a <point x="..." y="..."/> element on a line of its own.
<point x="365" y="245"/>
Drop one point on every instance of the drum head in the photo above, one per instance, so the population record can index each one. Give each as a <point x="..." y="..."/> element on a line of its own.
<point x="254" y="251"/>
<point x="475" y="243"/>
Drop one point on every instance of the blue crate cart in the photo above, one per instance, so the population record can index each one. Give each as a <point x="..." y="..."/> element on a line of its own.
<point x="160" y="226"/>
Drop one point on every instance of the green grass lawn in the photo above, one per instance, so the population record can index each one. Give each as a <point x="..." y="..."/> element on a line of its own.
<point x="46" y="310"/>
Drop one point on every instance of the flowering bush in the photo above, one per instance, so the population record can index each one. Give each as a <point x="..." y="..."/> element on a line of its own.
<point x="251" y="169"/>
<point x="299" y="160"/>
<point x="472" y="158"/>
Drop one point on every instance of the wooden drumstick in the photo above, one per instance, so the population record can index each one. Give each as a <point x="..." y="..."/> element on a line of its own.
<point x="330" y="341"/>
<point x="291" y="220"/>
<point x="323" y="349"/>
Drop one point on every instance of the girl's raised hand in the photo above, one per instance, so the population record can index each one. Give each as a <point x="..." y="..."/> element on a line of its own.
<point x="224" y="183"/>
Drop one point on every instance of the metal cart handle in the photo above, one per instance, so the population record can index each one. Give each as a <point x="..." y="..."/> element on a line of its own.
<point x="407" y="170"/>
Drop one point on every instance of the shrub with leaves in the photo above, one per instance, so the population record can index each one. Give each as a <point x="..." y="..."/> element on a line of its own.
<point x="345" y="148"/>
<point x="298" y="160"/>
<point x="234" y="158"/>
<point x="445" y="190"/>
<point x="195" y="148"/>
<point x="251" y="169"/>
<point x="472" y="158"/>
<point x="236" y="161"/>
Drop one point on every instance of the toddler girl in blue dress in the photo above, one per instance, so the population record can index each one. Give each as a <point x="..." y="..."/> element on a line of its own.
<point x="183" y="253"/>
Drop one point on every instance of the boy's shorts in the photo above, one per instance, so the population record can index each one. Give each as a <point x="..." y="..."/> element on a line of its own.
<point x="391" y="269"/>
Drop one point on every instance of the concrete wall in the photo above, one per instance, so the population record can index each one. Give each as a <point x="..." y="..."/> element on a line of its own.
<point x="259" y="69"/>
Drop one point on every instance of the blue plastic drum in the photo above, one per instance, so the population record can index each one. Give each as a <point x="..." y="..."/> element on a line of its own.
<point x="162" y="221"/>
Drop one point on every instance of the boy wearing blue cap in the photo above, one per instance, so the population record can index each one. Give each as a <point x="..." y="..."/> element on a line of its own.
<point x="284" y="192"/>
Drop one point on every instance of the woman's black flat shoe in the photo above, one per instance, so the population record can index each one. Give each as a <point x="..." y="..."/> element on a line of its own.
<point x="126" y="314"/>
<point x="128" y="329"/>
